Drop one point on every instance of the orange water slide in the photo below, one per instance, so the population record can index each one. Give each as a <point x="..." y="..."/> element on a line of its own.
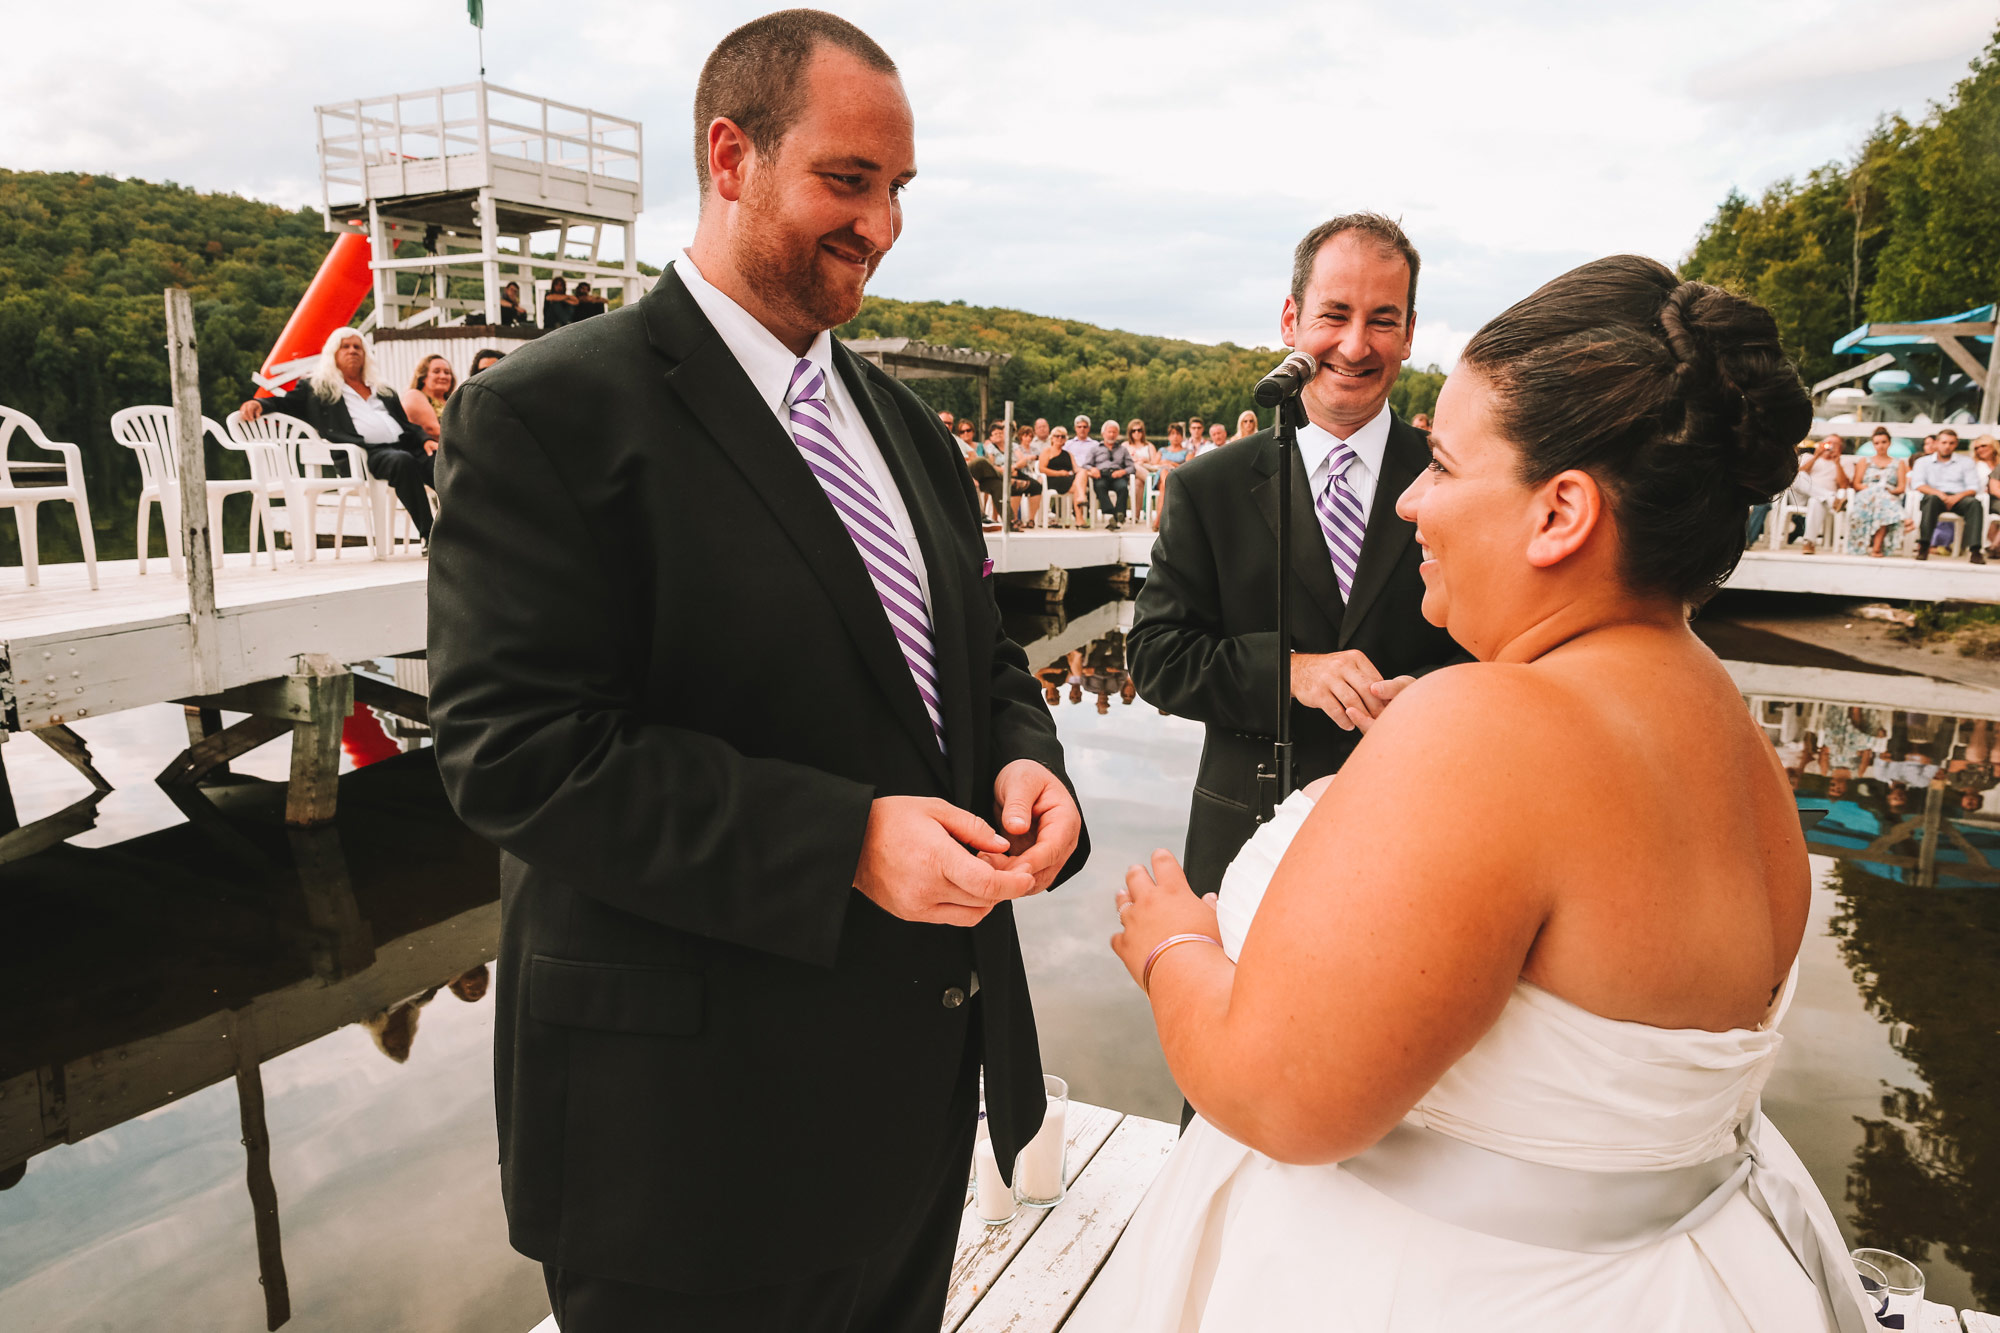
<point x="337" y="290"/>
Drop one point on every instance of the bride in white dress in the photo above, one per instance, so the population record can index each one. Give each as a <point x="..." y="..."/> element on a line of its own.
<point x="1483" y="1042"/>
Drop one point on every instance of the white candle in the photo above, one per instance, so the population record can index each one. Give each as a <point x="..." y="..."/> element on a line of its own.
<point x="1038" y="1174"/>
<point x="990" y="1194"/>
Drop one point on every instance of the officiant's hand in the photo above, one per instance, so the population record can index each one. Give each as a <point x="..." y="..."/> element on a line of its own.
<point x="924" y="860"/>
<point x="1345" y="686"/>
<point x="1040" y="819"/>
<point x="1153" y="906"/>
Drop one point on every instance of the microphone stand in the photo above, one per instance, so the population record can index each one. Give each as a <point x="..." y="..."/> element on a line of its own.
<point x="1274" y="780"/>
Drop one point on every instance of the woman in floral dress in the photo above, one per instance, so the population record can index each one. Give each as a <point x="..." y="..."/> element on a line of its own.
<point x="1875" y="518"/>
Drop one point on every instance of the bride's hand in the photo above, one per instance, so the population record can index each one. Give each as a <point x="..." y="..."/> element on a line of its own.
<point x="1153" y="906"/>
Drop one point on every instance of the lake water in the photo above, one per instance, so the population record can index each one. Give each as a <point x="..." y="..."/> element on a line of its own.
<point x="155" y="956"/>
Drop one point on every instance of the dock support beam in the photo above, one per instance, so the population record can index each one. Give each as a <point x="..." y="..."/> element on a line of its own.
<point x="314" y="701"/>
<point x="257" y="1172"/>
<point x="328" y="689"/>
<point x="1053" y="583"/>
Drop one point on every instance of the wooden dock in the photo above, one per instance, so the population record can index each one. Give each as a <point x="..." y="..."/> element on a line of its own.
<point x="1941" y="578"/>
<point x="1027" y="1275"/>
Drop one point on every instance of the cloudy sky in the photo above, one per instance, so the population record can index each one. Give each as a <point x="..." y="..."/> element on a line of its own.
<point x="1145" y="166"/>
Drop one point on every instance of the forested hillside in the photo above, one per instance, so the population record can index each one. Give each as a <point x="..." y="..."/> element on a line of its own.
<point x="1905" y="229"/>
<point x="84" y="259"/>
<point x="1063" y="367"/>
<point x="83" y="262"/>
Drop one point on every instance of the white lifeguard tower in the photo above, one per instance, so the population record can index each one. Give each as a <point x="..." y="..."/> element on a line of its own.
<point x="485" y="185"/>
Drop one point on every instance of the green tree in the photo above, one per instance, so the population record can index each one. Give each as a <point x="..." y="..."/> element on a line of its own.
<point x="1902" y="230"/>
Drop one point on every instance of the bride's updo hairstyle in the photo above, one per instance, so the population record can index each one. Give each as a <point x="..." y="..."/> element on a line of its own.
<point x="1674" y="395"/>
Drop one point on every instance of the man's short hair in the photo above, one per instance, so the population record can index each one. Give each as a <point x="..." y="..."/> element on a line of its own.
<point x="756" y="76"/>
<point x="1384" y="231"/>
<point x="1947" y="431"/>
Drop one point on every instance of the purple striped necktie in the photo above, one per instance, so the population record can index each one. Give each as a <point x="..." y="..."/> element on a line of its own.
<point x="1341" y="519"/>
<point x="888" y="560"/>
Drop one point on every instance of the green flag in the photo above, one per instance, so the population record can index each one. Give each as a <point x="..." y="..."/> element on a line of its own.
<point x="476" y="11"/>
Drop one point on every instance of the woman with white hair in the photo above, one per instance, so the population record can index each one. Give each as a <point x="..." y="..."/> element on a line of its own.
<point x="345" y="400"/>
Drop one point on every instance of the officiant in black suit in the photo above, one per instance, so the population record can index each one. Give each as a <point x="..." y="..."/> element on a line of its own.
<point x="715" y="661"/>
<point x="1204" y="641"/>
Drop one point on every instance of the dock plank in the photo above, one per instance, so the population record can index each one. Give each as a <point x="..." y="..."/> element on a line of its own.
<point x="1049" y="1275"/>
<point x="984" y="1252"/>
<point x="1975" y="1322"/>
<point x="1935" y="1318"/>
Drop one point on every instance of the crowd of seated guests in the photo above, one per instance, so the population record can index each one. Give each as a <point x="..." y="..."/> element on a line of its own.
<point x="345" y="400"/>
<point x="1107" y="469"/>
<point x="1873" y="487"/>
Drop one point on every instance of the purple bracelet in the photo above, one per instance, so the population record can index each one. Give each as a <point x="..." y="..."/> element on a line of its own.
<point x="1146" y="972"/>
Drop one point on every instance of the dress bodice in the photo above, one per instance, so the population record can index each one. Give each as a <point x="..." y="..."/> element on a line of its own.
<point x="1555" y="1083"/>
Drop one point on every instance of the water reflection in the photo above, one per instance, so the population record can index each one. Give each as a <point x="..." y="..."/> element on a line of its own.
<point x="194" y="957"/>
<point x="246" y="1079"/>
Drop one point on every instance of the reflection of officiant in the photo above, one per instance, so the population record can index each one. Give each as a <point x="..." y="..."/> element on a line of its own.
<point x="1204" y="644"/>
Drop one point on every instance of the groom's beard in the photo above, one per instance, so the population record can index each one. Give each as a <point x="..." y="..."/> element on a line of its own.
<point x="789" y="273"/>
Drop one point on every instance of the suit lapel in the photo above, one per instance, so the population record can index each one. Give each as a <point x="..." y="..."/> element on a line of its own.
<point x="1388" y="535"/>
<point x="708" y="379"/>
<point x="941" y="565"/>
<point x="1311" y="565"/>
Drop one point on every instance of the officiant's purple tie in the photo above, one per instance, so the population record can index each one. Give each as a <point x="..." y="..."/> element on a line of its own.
<point x="888" y="560"/>
<point x="1341" y="519"/>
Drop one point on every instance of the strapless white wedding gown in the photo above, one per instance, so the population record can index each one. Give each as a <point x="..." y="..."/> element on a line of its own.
<point x="1230" y="1241"/>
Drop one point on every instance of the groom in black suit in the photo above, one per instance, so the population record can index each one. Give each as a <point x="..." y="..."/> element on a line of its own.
<point x="1204" y="641"/>
<point x="715" y="661"/>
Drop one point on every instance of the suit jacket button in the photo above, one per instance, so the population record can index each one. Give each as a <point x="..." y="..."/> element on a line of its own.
<point x="953" y="997"/>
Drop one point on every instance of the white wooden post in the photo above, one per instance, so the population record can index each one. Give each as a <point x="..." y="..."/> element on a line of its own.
<point x="489" y="248"/>
<point x="1007" y="490"/>
<point x="193" y="461"/>
<point x="385" y="279"/>
<point x="632" y="279"/>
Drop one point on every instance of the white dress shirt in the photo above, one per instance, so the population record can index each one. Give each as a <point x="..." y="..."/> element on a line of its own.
<point x="1368" y="444"/>
<point x="769" y="364"/>
<point x="371" y="419"/>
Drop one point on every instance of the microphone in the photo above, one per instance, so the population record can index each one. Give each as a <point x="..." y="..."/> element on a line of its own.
<point x="1290" y="376"/>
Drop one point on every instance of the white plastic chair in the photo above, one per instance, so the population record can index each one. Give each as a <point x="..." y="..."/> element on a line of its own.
<point x="390" y="523"/>
<point x="149" y="433"/>
<point x="26" y="500"/>
<point x="291" y="462"/>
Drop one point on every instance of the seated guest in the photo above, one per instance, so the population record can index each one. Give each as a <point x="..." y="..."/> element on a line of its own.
<point x="588" y="303"/>
<point x="558" y="307"/>
<point x="1218" y="435"/>
<point x="345" y="400"/>
<point x="1422" y="421"/>
<point x="1878" y="481"/>
<point x="1197" y="437"/>
<point x="1246" y="424"/>
<point x="424" y="399"/>
<point x="1058" y="465"/>
<point x="484" y="357"/>
<point x="1079" y="438"/>
<point x="510" y="305"/>
<point x="1108" y="464"/>
<point x="985" y="475"/>
<point x="1821" y="477"/>
<point x="1145" y="458"/>
<point x="1174" y="452"/>
<point x="1948" y="481"/>
<point x="1027" y="486"/>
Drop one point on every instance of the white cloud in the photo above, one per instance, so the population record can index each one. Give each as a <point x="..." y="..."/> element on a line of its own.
<point x="1147" y="168"/>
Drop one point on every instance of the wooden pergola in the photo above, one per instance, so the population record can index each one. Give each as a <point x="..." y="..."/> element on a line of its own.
<point x="912" y="359"/>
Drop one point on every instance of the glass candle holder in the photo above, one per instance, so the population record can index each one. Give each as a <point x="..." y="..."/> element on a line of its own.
<point x="1041" y="1170"/>
<point x="1894" y="1285"/>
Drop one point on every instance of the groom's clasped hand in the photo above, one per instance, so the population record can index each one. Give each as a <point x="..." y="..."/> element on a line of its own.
<point x="924" y="859"/>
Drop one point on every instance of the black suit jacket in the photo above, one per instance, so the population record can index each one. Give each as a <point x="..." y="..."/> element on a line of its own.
<point x="663" y="684"/>
<point x="334" y="422"/>
<point x="1204" y="639"/>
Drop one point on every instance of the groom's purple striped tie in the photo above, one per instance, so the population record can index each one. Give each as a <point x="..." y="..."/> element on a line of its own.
<point x="1341" y="519"/>
<point x="860" y="509"/>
